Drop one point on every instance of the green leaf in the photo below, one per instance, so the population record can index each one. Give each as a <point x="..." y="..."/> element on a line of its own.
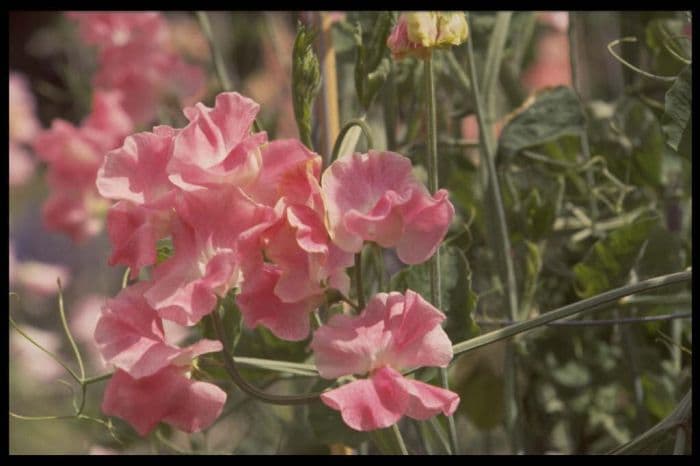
<point x="327" y="424"/>
<point x="481" y="397"/>
<point x="164" y="249"/>
<point x="553" y="113"/>
<point x="608" y="263"/>
<point x="306" y="81"/>
<point x="533" y="265"/>
<point x="677" y="119"/>
<point x="540" y="211"/>
<point x="372" y="66"/>
<point x="572" y="375"/>
<point x="462" y="304"/>
<point x="232" y="319"/>
<point x="417" y="277"/>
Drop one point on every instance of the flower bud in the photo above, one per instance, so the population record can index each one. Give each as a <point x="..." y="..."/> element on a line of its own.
<point x="417" y="33"/>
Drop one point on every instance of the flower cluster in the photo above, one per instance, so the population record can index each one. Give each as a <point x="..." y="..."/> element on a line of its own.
<point x="136" y="56"/>
<point x="259" y="216"/>
<point x="136" y="72"/>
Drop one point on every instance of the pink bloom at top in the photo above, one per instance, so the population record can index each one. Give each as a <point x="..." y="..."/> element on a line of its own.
<point x="559" y="20"/>
<point x="216" y="147"/>
<point x="394" y="332"/>
<point x="23" y="122"/>
<point x="107" y="29"/>
<point x="376" y="197"/>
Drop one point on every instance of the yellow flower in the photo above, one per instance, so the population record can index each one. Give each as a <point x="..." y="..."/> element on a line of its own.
<point x="421" y="27"/>
<point x="452" y="28"/>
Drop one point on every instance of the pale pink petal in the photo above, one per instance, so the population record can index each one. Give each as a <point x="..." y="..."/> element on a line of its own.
<point x="130" y="336"/>
<point x="108" y="123"/>
<point x="425" y="400"/>
<point x="24" y="124"/>
<point x="40" y="277"/>
<point x="166" y="396"/>
<point x="426" y="220"/>
<point x="22" y="165"/>
<point x="136" y="171"/>
<point x="77" y="213"/>
<point x="133" y="232"/>
<point x="370" y="404"/>
<point x="279" y="157"/>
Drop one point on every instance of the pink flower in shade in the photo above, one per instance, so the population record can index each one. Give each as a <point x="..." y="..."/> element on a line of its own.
<point x="216" y="147"/>
<point x="207" y="258"/>
<point x="376" y="197"/>
<point x="40" y="277"/>
<point x="166" y="396"/>
<point x="21" y="165"/>
<point x="552" y="65"/>
<point x="394" y="332"/>
<point x="135" y="175"/>
<point x="303" y="259"/>
<point x="74" y="155"/>
<point x="23" y="122"/>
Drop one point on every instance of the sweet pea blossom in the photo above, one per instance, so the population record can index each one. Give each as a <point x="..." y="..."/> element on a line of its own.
<point x="376" y="197"/>
<point x="418" y="32"/>
<point x="151" y="383"/>
<point x="302" y="260"/>
<point x="394" y="332"/>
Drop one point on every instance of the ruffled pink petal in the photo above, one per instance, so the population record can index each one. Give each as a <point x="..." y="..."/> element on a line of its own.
<point x="426" y="221"/>
<point x="370" y="404"/>
<point x="130" y="336"/>
<point x="108" y="122"/>
<point x="260" y="306"/>
<point x="136" y="171"/>
<point x="361" y="191"/>
<point x="279" y="158"/>
<point x="417" y="339"/>
<point x="425" y="400"/>
<point x="166" y="396"/>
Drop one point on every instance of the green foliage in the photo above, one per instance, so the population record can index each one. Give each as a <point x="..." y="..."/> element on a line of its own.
<point x="554" y="113"/>
<point x="678" y="117"/>
<point x="609" y="261"/>
<point x="327" y="424"/>
<point x="306" y="81"/>
<point x="372" y="64"/>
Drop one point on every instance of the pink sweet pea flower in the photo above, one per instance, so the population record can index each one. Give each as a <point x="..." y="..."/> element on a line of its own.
<point x="304" y="262"/>
<point x="394" y="332"/>
<point x="207" y="258"/>
<point x="79" y="213"/>
<point x="117" y="29"/>
<point x="131" y="337"/>
<point x="376" y="197"/>
<point x="166" y="396"/>
<point x="135" y="175"/>
<point x="216" y="147"/>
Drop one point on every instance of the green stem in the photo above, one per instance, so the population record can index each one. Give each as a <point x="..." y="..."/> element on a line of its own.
<point x="488" y="156"/>
<point x="433" y="184"/>
<point x="399" y="439"/>
<point x="219" y="64"/>
<point x="359" y="286"/>
<point x="494" y="56"/>
<point x="569" y="310"/>
<point x="630" y="65"/>
<point x="232" y="370"/>
<point x="69" y="335"/>
<point x="360" y="122"/>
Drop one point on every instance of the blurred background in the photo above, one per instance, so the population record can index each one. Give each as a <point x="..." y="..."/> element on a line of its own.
<point x="582" y="389"/>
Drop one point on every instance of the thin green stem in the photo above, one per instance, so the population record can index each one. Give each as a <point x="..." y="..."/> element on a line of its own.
<point x="379" y="262"/>
<point x="359" y="285"/>
<point x="219" y="64"/>
<point x="433" y="184"/>
<point x="232" y="370"/>
<point x="494" y="56"/>
<point x="69" y="335"/>
<point x="399" y="439"/>
<point x="360" y="122"/>
<point x="49" y="353"/>
<point x="630" y="65"/>
<point x="569" y="310"/>
<point x="97" y="378"/>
